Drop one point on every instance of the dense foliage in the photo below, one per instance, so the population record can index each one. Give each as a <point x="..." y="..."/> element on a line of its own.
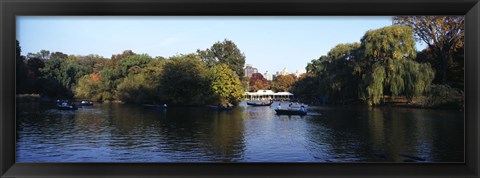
<point x="225" y="52"/>
<point x="184" y="80"/>
<point x="444" y="36"/>
<point x="258" y="82"/>
<point x="283" y="83"/>
<point x="225" y="86"/>
<point x="130" y="78"/>
<point x="443" y="96"/>
<point x="381" y="65"/>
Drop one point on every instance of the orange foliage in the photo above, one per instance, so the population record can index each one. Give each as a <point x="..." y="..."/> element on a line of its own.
<point x="96" y="77"/>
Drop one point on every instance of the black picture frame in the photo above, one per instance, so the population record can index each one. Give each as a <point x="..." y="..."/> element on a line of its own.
<point x="11" y="8"/>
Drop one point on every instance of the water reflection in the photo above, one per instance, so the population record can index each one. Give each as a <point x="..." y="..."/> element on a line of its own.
<point x="130" y="133"/>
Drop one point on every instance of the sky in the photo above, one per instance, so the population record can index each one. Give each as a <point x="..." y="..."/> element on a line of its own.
<point x="269" y="43"/>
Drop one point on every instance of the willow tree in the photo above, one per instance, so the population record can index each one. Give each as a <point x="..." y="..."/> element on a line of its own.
<point x="417" y="78"/>
<point x="444" y="36"/>
<point x="387" y="66"/>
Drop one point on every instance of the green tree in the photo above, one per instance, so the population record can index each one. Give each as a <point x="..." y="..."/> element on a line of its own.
<point x="95" y="87"/>
<point x="131" y="64"/>
<point x="43" y="54"/>
<point x="381" y="65"/>
<point x="143" y="87"/>
<point x="340" y="82"/>
<point x="33" y="66"/>
<point x="316" y="66"/>
<point x="333" y="75"/>
<point x="59" y="77"/>
<point x="444" y="36"/>
<point x="225" y="85"/>
<point x="58" y="55"/>
<point x="134" y="89"/>
<point x="225" y="52"/>
<point x="22" y="70"/>
<point x="92" y="61"/>
<point x="184" y="80"/>
<point x="116" y="57"/>
<point x="375" y="84"/>
<point x="387" y="66"/>
<point x="389" y="43"/>
<point x="307" y="87"/>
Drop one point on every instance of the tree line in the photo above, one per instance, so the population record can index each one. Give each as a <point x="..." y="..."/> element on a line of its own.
<point x="209" y="76"/>
<point x="279" y="83"/>
<point x="382" y="66"/>
<point x="385" y="64"/>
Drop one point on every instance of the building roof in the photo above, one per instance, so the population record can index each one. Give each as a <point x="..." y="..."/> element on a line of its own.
<point x="267" y="92"/>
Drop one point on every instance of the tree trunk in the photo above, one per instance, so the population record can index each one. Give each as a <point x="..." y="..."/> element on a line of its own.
<point x="444" y="63"/>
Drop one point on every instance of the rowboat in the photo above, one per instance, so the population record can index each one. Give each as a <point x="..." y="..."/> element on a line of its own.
<point x="66" y="107"/>
<point x="220" y="108"/>
<point x="154" y="106"/>
<point x="291" y="112"/>
<point x="85" y="103"/>
<point x="259" y="104"/>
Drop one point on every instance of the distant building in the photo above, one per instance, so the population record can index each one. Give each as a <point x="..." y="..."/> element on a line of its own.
<point x="268" y="76"/>
<point x="297" y="73"/>
<point x="284" y="71"/>
<point x="249" y="70"/>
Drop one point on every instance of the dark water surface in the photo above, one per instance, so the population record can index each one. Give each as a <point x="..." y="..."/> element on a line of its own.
<point x="130" y="133"/>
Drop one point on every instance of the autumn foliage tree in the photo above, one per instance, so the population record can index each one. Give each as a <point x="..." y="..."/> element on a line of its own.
<point x="94" y="87"/>
<point x="444" y="36"/>
<point x="258" y="82"/>
<point x="283" y="82"/>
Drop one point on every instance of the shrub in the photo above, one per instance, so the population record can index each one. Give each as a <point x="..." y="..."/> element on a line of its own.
<point x="443" y="97"/>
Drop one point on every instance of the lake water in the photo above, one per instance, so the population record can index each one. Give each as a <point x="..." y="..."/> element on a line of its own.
<point x="129" y="133"/>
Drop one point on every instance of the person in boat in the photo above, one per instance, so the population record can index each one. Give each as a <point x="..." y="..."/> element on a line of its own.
<point x="290" y="105"/>
<point x="279" y="106"/>
<point x="302" y="108"/>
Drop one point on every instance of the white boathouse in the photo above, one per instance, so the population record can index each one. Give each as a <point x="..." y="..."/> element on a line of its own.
<point x="267" y="95"/>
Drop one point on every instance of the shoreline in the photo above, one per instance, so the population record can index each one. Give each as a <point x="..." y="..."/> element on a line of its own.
<point x="25" y="98"/>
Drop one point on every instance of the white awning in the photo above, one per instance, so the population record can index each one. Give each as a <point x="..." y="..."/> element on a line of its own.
<point x="268" y="92"/>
